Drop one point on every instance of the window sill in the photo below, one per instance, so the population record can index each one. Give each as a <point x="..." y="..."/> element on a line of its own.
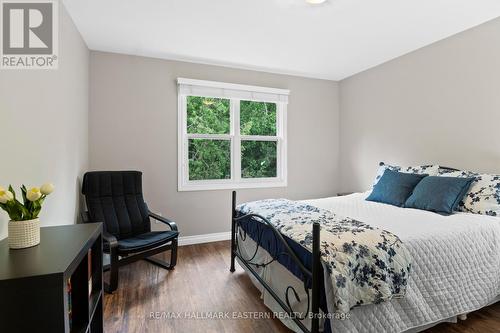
<point x="203" y="186"/>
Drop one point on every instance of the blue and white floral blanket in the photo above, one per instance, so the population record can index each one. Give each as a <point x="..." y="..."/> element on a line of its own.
<point x="362" y="264"/>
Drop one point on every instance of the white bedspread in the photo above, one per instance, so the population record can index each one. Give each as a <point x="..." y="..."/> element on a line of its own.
<point x="455" y="268"/>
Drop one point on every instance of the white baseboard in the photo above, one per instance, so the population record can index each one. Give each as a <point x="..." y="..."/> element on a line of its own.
<point x="205" y="238"/>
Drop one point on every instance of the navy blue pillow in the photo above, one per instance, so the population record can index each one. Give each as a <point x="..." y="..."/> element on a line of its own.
<point x="394" y="187"/>
<point x="439" y="194"/>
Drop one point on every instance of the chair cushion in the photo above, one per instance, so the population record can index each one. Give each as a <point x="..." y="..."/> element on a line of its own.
<point x="148" y="239"/>
<point x="394" y="187"/>
<point x="115" y="198"/>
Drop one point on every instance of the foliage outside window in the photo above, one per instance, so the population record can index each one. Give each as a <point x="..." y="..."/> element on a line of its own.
<point x="231" y="142"/>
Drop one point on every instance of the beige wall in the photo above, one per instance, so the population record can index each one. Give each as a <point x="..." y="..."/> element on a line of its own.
<point x="440" y="104"/>
<point x="44" y="127"/>
<point x="133" y="125"/>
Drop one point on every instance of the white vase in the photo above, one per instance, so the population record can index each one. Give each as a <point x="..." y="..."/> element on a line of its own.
<point x="23" y="234"/>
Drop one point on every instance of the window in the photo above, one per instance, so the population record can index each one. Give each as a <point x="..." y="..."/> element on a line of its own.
<point x="231" y="136"/>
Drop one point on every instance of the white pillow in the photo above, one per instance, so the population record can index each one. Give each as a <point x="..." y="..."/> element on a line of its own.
<point x="431" y="170"/>
<point x="483" y="196"/>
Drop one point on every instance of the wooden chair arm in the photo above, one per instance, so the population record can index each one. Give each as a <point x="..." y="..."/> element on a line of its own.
<point x="110" y="239"/>
<point x="171" y="224"/>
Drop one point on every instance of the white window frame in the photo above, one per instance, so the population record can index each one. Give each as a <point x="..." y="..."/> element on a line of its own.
<point x="235" y="93"/>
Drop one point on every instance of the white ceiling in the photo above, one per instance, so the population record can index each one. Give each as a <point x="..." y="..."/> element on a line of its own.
<point x="330" y="41"/>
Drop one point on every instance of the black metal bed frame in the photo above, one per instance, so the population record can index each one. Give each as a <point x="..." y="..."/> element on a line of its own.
<point x="313" y="275"/>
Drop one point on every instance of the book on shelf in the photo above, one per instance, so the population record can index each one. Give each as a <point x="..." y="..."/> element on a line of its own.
<point x="89" y="260"/>
<point x="70" y="305"/>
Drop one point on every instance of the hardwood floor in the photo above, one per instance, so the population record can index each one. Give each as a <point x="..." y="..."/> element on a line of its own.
<point x="201" y="283"/>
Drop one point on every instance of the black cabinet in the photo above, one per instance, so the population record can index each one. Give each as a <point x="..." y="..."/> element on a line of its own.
<point x="55" y="286"/>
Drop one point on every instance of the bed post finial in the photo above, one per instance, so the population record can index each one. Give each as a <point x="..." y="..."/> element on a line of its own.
<point x="233" y="231"/>
<point x="316" y="271"/>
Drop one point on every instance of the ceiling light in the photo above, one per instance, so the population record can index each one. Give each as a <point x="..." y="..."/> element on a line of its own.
<point x="315" y="2"/>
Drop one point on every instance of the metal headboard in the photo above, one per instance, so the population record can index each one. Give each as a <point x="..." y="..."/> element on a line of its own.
<point x="448" y="168"/>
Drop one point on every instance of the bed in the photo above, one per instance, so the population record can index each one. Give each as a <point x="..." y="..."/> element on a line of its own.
<point x="455" y="268"/>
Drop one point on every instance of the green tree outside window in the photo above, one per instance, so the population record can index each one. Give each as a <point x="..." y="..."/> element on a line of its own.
<point x="211" y="158"/>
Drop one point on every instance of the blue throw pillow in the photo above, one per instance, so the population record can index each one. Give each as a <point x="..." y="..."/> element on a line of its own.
<point x="394" y="187"/>
<point x="439" y="194"/>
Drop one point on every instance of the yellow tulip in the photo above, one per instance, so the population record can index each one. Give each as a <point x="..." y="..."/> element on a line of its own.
<point x="47" y="188"/>
<point x="33" y="194"/>
<point x="5" y="196"/>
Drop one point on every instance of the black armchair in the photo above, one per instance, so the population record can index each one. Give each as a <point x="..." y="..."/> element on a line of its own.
<point x="115" y="198"/>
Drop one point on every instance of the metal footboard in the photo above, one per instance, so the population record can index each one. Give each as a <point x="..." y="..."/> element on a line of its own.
<point x="312" y="276"/>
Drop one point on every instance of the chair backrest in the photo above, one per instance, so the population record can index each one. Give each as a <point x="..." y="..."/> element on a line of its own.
<point x="115" y="198"/>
